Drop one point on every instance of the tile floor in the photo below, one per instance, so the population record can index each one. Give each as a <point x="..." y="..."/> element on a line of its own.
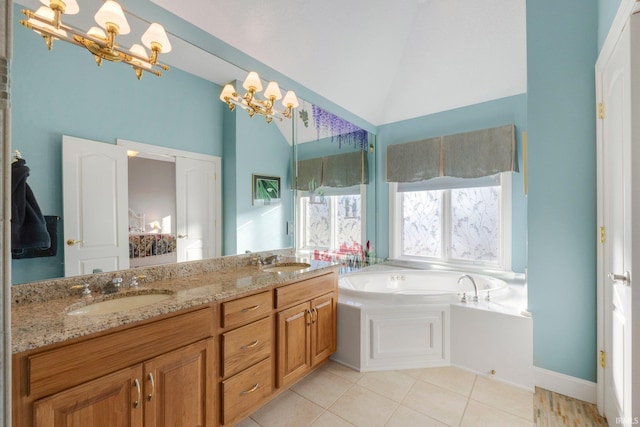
<point x="336" y="396"/>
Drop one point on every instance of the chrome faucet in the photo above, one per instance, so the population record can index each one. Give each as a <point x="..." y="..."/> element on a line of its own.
<point x="271" y="259"/>
<point x="113" y="286"/>
<point x="135" y="281"/>
<point x="475" y="288"/>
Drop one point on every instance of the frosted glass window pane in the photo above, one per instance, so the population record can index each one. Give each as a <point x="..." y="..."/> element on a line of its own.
<point x="317" y="224"/>
<point x="349" y="223"/>
<point x="334" y="224"/>
<point x="474" y="219"/>
<point x="422" y="223"/>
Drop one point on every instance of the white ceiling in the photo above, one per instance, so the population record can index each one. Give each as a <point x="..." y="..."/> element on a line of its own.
<point x="382" y="60"/>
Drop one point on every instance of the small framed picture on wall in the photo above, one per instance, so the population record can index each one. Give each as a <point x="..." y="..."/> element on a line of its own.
<point x="266" y="190"/>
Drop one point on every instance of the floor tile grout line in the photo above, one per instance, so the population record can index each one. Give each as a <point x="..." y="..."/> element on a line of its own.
<point x="543" y="416"/>
<point x="499" y="408"/>
<point x="368" y="389"/>
<point x="464" y="411"/>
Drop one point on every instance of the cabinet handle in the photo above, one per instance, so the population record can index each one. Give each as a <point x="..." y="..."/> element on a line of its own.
<point x="308" y="313"/>
<point x="136" y="384"/>
<point x="248" y="346"/>
<point x="315" y="311"/>
<point x="251" y="390"/>
<point x="255" y="307"/>
<point x="153" y="387"/>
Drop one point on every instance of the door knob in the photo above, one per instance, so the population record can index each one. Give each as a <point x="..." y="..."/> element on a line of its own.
<point x="73" y="242"/>
<point x="624" y="278"/>
<point x="182" y="236"/>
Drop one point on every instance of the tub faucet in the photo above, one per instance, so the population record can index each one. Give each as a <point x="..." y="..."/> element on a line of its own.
<point x="475" y="287"/>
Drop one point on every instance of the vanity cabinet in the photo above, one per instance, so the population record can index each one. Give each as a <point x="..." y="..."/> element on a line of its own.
<point x="307" y="330"/>
<point x="207" y="366"/>
<point x="179" y="387"/>
<point x="169" y="390"/>
<point x="107" y="401"/>
<point x="150" y="375"/>
<point x="246" y="360"/>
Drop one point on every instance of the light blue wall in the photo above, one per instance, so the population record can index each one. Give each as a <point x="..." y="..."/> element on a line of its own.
<point x="561" y="54"/>
<point x="606" y="12"/>
<point x="255" y="148"/>
<point x="63" y="92"/>
<point x="511" y="110"/>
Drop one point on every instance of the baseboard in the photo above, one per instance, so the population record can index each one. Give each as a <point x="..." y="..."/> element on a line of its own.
<point x="565" y="384"/>
<point x="529" y="388"/>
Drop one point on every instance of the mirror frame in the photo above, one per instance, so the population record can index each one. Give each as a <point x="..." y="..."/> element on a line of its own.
<point x="6" y="41"/>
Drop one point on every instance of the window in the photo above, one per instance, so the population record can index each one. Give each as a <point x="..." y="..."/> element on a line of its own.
<point x="333" y="222"/>
<point x="453" y="221"/>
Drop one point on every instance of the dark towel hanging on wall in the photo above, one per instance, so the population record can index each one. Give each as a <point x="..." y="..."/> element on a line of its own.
<point x="28" y="226"/>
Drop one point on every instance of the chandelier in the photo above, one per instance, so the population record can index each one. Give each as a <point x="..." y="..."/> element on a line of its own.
<point x="254" y="105"/>
<point x="46" y="21"/>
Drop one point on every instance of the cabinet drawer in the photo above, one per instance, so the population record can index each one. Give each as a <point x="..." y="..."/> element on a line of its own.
<point x="306" y="290"/>
<point x="241" y="393"/>
<point x="245" y="346"/>
<point x="244" y="310"/>
<point x="74" y="364"/>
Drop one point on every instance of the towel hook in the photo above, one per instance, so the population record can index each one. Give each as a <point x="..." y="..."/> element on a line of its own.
<point x="16" y="155"/>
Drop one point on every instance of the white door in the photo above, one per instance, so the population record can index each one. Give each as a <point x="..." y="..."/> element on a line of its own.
<point x="94" y="178"/>
<point x="616" y="215"/>
<point x="196" y="210"/>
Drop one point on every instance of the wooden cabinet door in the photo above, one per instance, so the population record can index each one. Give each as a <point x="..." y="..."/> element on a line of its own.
<point x="323" y="328"/>
<point x="179" y="387"/>
<point x="294" y="343"/>
<point x="114" y="400"/>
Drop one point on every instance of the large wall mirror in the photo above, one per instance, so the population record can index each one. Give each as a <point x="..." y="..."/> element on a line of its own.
<point x="335" y="202"/>
<point x="63" y="95"/>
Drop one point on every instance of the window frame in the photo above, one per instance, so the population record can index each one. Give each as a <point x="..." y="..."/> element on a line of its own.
<point x="505" y="212"/>
<point x="360" y="189"/>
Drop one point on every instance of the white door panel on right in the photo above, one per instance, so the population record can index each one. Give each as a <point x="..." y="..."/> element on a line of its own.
<point x="196" y="214"/>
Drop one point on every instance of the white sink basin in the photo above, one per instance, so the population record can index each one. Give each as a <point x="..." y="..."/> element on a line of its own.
<point x="119" y="304"/>
<point x="287" y="267"/>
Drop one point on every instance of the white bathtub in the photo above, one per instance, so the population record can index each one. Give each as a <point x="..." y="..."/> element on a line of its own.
<point x="411" y="286"/>
<point x="400" y="318"/>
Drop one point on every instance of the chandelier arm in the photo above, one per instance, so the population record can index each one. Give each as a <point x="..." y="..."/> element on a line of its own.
<point x="50" y="33"/>
<point x="109" y="43"/>
<point x="148" y="70"/>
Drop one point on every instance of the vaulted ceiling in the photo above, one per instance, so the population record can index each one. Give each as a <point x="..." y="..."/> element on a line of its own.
<point x="382" y="60"/>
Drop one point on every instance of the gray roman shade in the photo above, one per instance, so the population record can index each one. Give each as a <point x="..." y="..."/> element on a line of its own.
<point x="413" y="161"/>
<point x="308" y="171"/>
<point x="338" y="171"/>
<point x="466" y="155"/>
<point x="479" y="153"/>
<point x="345" y="170"/>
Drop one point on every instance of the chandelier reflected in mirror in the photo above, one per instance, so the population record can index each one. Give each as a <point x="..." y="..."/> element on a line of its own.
<point x="100" y="41"/>
<point x="254" y="105"/>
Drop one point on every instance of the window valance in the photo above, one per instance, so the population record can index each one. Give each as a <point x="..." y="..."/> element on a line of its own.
<point x="465" y="155"/>
<point x="309" y="174"/>
<point x="338" y="171"/>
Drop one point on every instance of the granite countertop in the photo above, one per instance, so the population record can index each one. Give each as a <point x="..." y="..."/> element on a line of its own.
<point x="40" y="323"/>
